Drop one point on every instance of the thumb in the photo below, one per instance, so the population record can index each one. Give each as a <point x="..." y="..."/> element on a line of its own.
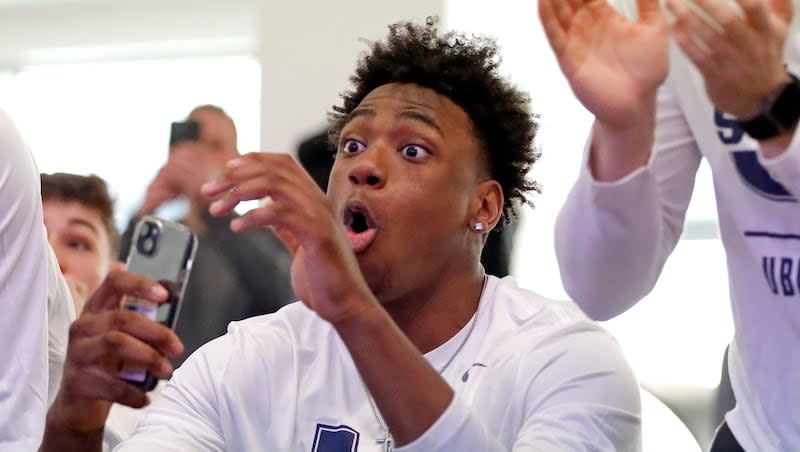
<point x="288" y="239"/>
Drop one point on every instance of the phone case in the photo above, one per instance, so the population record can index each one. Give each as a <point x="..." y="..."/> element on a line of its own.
<point x="161" y="250"/>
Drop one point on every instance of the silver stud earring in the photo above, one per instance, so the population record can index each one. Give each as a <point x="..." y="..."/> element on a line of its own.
<point x="478" y="227"/>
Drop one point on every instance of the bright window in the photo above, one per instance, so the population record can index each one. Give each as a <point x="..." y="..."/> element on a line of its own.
<point x="113" y="119"/>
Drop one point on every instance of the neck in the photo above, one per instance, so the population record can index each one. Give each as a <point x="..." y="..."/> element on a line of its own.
<point x="433" y="314"/>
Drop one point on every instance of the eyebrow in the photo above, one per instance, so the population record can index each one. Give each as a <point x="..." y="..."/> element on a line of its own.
<point x="421" y="117"/>
<point x="82" y="222"/>
<point x="360" y="112"/>
<point x="405" y="114"/>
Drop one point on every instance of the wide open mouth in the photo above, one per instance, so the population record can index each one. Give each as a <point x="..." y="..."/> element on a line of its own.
<point x="357" y="221"/>
<point x="361" y="229"/>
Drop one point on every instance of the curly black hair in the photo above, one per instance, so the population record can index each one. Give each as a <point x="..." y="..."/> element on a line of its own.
<point x="465" y="70"/>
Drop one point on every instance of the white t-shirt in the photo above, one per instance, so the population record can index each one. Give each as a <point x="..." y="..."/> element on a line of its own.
<point x="23" y="296"/>
<point x="122" y="419"/>
<point x="536" y="374"/>
<point x="60" y="314"/>
<point x="612" y="240"/>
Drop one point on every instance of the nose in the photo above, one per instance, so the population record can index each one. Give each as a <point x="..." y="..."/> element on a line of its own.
<point x="368" y="170"/>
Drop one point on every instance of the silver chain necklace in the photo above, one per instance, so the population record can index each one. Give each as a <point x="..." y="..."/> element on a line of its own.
<point x="386" y="440"/>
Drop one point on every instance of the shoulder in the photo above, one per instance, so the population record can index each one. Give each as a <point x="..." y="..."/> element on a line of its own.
<point x="265" y="341"/>
<point x="19" y="175"/>
<point x="556" y="335"/>
<point x="527" y="310"/>
<point x="563" y="365"/>
<point x="295" y="320"/>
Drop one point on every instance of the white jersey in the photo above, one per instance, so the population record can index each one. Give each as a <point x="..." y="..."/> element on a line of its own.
<point x="536" y="374"/>
<point x="612" y="240"/>
<point x="23" y="296"/>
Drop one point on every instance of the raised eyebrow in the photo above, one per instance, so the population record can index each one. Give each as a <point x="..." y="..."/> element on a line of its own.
<point x="421" y="117"/>
<point x="360" y="112"/>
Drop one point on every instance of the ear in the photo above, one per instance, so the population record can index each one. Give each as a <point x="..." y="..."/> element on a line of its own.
<point x="487" y="206"/>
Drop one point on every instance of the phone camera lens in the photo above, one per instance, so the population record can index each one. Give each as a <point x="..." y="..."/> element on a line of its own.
<point x="148" y="245"/>
<point x="148" y="239"/>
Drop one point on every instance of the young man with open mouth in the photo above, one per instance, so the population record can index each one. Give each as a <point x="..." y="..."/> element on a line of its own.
<point x="401" y="339"/>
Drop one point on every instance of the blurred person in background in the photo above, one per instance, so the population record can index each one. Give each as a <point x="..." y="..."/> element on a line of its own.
<point x="234" y="276"/>
<point x="79" y="217"/>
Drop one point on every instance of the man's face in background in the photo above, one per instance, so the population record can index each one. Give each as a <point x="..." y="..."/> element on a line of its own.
<point x="82" y="245"/>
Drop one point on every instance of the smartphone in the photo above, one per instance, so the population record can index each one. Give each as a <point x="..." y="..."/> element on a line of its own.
<point x="161" y="250"/>
<point x="184" y="131"/>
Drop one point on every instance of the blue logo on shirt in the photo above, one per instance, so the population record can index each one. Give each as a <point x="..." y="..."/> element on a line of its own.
<point x="465" y="377"/>
<point x="757" y="179"/>
<point x="329" y="438"/>
<point x="753" y="175"/>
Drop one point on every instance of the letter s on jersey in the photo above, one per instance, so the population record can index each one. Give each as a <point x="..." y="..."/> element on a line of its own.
<point x="753" y="175"/>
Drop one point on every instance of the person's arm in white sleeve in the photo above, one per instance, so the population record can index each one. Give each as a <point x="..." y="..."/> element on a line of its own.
<point x="584" y="399"/>
<point x="626" y="211"/>
<point x="186" y="414"/>
<point x="23" y="295"/>
<point x="612" y="238"/>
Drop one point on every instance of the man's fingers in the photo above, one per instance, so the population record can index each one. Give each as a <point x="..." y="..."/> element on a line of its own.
<point x="246" y="190"/>
<point x="783" y="9"/>
<point x="153" y="333"/>
<point x="650" y="11"/>
<point x="96" y="384"/>
<point x="253" y="165"/>
<point x="131" y="353"/>
<point x="694" y="50"/>
<point x="575" y="5"/>
<point x="723" y="18"/>
<point x="695" y="28"/>
<point x="274" y="214"/>
<point x="119" y="283"/>
<point x="758" y="13"/>
<point x="288" y="238"/>
<point x="115" y="350"/>
<point x="554" y="23"/>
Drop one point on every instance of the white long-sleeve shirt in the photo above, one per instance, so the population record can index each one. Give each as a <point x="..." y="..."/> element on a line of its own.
<point x="535" y="375"/>
<point x="23" y="296"/>
<point x="612" y="240"/>
<point x="60" y="314"/>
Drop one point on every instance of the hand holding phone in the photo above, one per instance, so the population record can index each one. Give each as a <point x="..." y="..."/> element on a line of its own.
<point x="184" y="131"/>
<point x="103" y="340"/>
<point x="163" y="251"/>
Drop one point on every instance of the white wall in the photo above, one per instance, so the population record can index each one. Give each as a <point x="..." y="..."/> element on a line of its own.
<point x="56" y="31"/>
<point x="308" y="49"/>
